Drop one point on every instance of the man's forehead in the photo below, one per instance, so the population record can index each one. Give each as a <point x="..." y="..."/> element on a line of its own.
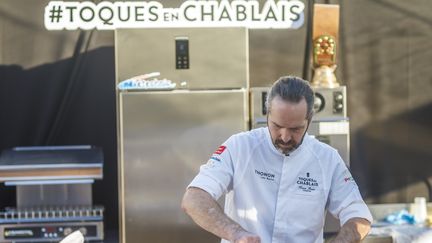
<point x="280" y="105"/>
<point x="287" y="123"/>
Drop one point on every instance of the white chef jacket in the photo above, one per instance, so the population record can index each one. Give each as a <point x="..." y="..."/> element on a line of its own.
<point x="281" y="198"/>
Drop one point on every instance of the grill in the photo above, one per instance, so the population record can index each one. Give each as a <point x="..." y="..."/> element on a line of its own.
<point x="53" y="193"/>
<point x="51" y="214"/>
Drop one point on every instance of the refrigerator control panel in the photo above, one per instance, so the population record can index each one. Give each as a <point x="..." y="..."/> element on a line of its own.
<point x="182" y="52"/>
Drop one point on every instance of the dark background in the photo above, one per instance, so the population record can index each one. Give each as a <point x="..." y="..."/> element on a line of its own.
<point x="58" y="88"/>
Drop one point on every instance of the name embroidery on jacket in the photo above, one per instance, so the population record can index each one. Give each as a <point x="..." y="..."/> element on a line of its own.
<point x="308" y="183"/>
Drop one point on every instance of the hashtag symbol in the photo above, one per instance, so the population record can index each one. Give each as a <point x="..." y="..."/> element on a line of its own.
<point x="55" y="14"/>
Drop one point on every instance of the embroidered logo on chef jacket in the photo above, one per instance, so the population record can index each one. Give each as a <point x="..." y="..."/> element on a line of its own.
<point x="217" y="154"/>
<point x="213" y="161"/>
<point x="265" y="175"/>
<point x="347" y="178"/>
<point x="220" y="149"/>
<point x="210" y="163"/>
<point x="307" y="183"/>
<point x="216" y="157"/>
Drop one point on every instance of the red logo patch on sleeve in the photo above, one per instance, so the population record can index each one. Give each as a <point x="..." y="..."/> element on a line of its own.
<point x="220" y="150"/>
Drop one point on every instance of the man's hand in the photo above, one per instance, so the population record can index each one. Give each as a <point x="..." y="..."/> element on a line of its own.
<point x="205" y="211"/>
<point x="246" y="237"/>
<point x="353" y="231"/>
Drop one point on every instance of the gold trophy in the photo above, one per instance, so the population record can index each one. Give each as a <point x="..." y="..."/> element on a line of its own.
<point x="325" y="33"/>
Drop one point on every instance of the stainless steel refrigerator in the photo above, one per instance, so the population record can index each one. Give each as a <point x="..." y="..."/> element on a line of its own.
<point x="165" y="135"/>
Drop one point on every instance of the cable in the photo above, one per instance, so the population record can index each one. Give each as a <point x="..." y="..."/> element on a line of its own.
<point x="78" y="59"/>
<point x="307" y="54"/>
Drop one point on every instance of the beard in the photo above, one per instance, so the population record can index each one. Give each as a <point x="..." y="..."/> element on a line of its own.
<point x="285" y="148"/>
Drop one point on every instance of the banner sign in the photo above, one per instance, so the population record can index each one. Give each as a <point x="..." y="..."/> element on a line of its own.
<point x="288" y="14"/>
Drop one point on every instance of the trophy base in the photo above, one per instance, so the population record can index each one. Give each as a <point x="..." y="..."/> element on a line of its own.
<point x="324" y="85"/>
<point x="324" y="77"/>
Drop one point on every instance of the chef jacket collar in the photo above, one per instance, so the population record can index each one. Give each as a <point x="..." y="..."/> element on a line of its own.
<point x="293" y="153"/>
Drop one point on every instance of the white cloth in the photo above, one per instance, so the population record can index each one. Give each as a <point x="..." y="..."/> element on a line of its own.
<point x="281" y="198"/>
<point x="75" y="237"/>
<point x="404" y="233"/>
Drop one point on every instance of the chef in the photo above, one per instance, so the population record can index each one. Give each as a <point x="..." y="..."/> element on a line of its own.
<point x="278" y="181"/>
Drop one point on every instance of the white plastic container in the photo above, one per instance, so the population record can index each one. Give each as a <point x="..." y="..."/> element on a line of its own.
<point x="419" y="210"/>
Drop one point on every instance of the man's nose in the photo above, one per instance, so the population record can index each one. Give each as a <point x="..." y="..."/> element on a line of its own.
<point x="285" y="135"/>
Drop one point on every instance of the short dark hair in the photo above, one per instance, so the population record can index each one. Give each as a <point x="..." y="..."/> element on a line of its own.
<point x="292" y="89"/>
